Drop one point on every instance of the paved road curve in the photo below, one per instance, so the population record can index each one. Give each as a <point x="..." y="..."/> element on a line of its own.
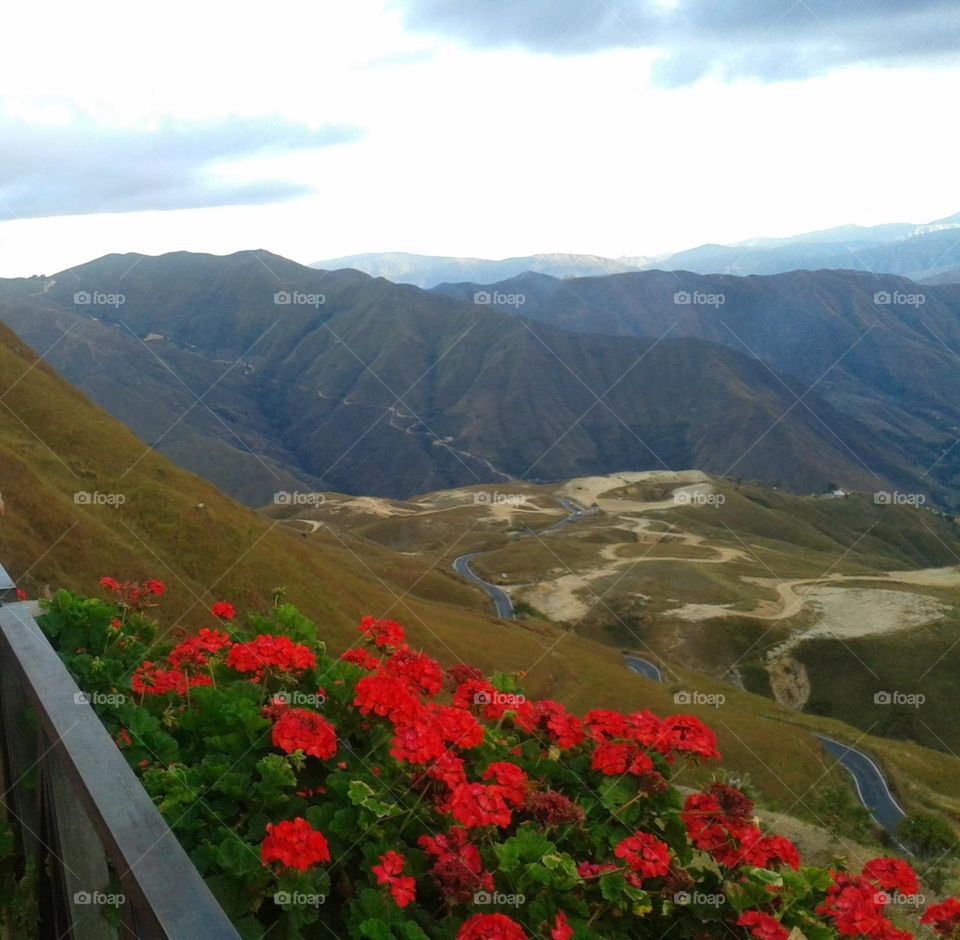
<point x="501" y="599"/>
<point x="502" y="603"/>
<point x="872" y="788"/>
<point x="643" y="668"/>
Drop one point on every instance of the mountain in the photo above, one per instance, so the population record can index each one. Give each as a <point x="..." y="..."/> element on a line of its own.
<point x="365" y="386"/>
<point x="881" y="350"/>
<point x="917" y="251"/>
<point x="913" y="251"/>
<point x="430" y="270"/>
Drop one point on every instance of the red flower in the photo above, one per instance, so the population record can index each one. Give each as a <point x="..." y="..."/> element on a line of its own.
<point x="511" y="781"/>
<point x="473" y="805"/>
<point x="855" y="907"/>
<point x="762" y="926"/>
<point x="148" y="679"/>
<point x="943" y="918"/>
<point x="385" y="634"/>
<point x="560" y="930"/>
<point x="360" y="658"/>
<point x="417" y="743"/>
<point x="610" y="759"/>
<point x="457" y="869"/>
<point x="592" y="870"/>
<point x="891" y="874"/>
<point x="110" y="584"/>
<point x="270" y="652"/>
<point x="196" y="650"/>
<point x="153" y="587"/>
<point x="418" y="669"/>
<point x="490" y="927"/>
<point x="386" y="696"/>
<point x="294" y="844"/>
<point x="602" y="724"/>
<point x="390" y="872"/>
<point x="687" y="735"/>
<point x="21" y="595"/>
<point x="300" y="730"/>
<point x="123" y="738"/>
<point x="223" y="610"/>
<point x="644" y="854"/>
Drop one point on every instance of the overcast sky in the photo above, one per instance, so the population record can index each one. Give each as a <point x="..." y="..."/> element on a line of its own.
<point x="486" y="128"/>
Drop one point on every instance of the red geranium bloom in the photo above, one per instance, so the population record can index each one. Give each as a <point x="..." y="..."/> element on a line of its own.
<point x="511" y="781"/>
<point x="593" y="870"/>
<point x="223" y="610"/>
<point x="473" y="805"/>
<point x="388" y="697"/>
<point x="644" y="854"/>
<point x="21" y="594"/>
<point x="150" y="680"/>
<point x="418" y="669"/>
<point x="610" y="759"/>
<point x="385" y="634"/>
<point x="123" y="738"/>
<point x="300" y="730"/>
<point x="390" y="872"/>
<point x="110" y="584"/>
<point x="762" y="926"/>
<point x="417" y="743"/>
<point x="601" y="724"/>
<point x="154" y="587"/>
<point x="196" y="650"/>
<point x="553" y="809"/>
<point x="687" y="735"/>
<point x="891" y="874"/>
<point x="561" y="930"/>
<point x="360" y="658"/>
<point x="294" y="844"/>
<point x="270" y="652"/>
<point x="490" y="927"/>
<point x="943" y="918"/>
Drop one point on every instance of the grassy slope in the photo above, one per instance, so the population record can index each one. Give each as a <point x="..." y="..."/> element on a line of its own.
<point x="55" y="443"/>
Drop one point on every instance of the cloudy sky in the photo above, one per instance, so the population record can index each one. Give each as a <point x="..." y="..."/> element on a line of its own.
<point x="487" y="128"/>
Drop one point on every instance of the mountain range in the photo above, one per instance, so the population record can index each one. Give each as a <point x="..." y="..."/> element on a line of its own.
<point x="924" y="252"/>
<point x="268" y="377"/>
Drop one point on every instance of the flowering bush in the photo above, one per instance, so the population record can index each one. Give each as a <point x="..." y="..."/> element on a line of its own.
<point x="375" y="795"/>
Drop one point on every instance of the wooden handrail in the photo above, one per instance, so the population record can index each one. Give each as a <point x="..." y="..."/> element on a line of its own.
<point x="165" y="897"/>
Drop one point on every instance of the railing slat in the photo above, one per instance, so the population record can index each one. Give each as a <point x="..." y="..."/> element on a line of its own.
<point x="152" y="865"/>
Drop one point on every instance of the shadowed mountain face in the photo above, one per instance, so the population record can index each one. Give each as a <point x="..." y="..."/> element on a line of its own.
<point x="266" y="376"/>
<point x="881" y="350"/>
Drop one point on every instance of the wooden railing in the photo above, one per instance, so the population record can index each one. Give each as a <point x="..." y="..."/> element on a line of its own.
<point x="97" y="839"/>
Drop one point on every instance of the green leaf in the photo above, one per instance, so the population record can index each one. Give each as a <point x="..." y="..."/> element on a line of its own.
<point x="362" y="794"/>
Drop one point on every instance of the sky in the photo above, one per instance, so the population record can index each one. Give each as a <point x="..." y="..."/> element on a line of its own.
<point x="483" y="128"/>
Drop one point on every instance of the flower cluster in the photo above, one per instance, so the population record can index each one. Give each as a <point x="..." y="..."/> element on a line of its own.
<point x="440" y="791"/>
<point x="267" y="652"/>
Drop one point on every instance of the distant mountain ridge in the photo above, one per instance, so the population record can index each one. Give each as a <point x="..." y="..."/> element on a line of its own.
<point x="429" y="270"/>
<point x="266" y="376"/>
<point x="923" y="251"/>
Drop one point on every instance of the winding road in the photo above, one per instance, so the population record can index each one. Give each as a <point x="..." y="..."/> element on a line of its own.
<point x="502" y="603"/>
<point x="871" y="786"/>
<point x="643" y="668"/>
